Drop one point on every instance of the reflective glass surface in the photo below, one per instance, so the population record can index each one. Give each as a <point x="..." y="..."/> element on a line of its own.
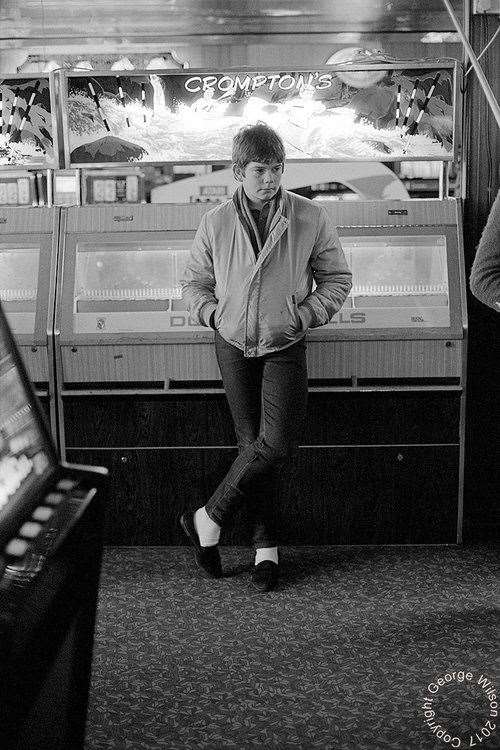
<point x="141" y="276"/>
<point x="18" y="278"/>
<point x="398" y="281"/>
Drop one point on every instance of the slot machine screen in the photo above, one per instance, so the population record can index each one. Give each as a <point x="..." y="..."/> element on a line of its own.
<point x="27" y="456"/>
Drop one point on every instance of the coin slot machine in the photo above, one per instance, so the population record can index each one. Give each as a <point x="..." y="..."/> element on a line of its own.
<point x="405" y="316"/>
<point x="50" y="552"/>
<point x="28" y="225"/>
<point x="120" y="315"/>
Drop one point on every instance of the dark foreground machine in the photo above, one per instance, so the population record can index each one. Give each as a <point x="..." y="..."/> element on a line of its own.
<point x="50" y="558"/>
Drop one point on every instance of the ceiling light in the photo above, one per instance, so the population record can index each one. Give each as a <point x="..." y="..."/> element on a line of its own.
<point x="51" y="65"/>
<point x="347" y="37"/>
<point x="122" y="64"/>
<point x="281" y="12"/>
<point x="441" y="37"/>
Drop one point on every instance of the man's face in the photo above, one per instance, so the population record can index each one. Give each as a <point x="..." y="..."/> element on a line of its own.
<point x="260" y="181"/>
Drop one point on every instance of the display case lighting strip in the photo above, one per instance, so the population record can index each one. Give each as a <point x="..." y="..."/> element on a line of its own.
<point x="400" y="289"/>
<point x="395" y="225"/>
<point x="130" y="294"/>
<point x="21" y="295"/>
<point x="173" y="293"/>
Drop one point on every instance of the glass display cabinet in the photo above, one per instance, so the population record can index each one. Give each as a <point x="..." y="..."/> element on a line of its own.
<point x="28" y="232"/>
<point x="28" y="251"/>
<point x="404" y="317"/>
<point x="404" y="321"/>
<point x="119" y="314"/>
<point x="134" y="285"/>
<point x="399" y="282"/>
<point x="19" y="279"/>
<point x="29" y="128"/>
<point x="406" y="111"/>
<point x="140" y="390"/>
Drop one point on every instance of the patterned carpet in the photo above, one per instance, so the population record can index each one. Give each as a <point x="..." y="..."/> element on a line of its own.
<point x="340" y="657"/>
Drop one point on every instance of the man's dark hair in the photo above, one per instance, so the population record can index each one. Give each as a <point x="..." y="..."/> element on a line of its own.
<point x="257" y="143"/>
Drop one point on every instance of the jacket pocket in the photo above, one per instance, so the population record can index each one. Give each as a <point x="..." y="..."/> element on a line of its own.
<point x="295" y="320"/>
<point x="278" y="321"/>
<point x="221" y="303"/>
<point x="295" y="323"/>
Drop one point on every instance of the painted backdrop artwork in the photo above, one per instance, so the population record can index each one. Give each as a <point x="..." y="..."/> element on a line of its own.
<point x="26" y="128"/>
<point x="192" y="117"/>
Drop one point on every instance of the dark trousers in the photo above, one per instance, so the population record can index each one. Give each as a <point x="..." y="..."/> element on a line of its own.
<point x="267" y="397"/>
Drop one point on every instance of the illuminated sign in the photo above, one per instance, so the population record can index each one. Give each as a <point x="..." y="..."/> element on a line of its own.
<point x="405" y="113"/>
<point x="249" y="83"/>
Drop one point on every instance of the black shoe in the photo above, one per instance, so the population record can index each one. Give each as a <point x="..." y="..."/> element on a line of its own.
<point x="207" y="558"/>
<point x="265" y="575"/>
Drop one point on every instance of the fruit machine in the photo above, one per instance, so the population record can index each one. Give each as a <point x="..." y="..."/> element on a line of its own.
<point x="404" y="317"/>
<point x="135" y="375"/>
<point x="29" y="224"/>
<point x="119" y="315"/>
<point x="396" y="353"/>
<point x="50" y="556"/>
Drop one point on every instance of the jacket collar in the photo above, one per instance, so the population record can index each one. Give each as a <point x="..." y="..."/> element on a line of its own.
<point x="279" y="197"/>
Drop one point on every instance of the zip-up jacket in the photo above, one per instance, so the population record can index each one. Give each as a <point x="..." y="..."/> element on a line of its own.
<point x="266" y="303"/>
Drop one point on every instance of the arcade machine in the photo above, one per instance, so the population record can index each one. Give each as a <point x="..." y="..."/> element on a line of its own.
<point x="128" y="357"/>
<point x="396" y="356"/>
<point x="29" y="223"/>
<point x="140" y="388"/>
<point x="50" y="553"/>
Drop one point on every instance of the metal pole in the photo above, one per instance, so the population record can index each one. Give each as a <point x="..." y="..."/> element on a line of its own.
<point x="50" y="190"/>
<point x="495" y="108"/>
<point x="464" y="167"/>
<point x="444" y="180"/>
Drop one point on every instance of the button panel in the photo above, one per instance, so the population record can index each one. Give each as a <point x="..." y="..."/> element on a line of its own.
<point x="35" y="531"/>
<point x="65" y="485"/>
<point x="16" y="548"/>
<point x="42" y="513"/>
<point x="54" y="498"/>
<point x="30" y="529"/>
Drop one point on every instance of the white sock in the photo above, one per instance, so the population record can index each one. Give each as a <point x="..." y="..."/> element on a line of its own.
<point x="266" y="553"/>
<point x="207" y="530"/>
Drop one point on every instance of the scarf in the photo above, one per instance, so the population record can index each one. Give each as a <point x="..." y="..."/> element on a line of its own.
<point x="257" y="233"/>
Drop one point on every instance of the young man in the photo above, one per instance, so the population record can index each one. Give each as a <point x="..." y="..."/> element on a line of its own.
<point x="250" y="277"/>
